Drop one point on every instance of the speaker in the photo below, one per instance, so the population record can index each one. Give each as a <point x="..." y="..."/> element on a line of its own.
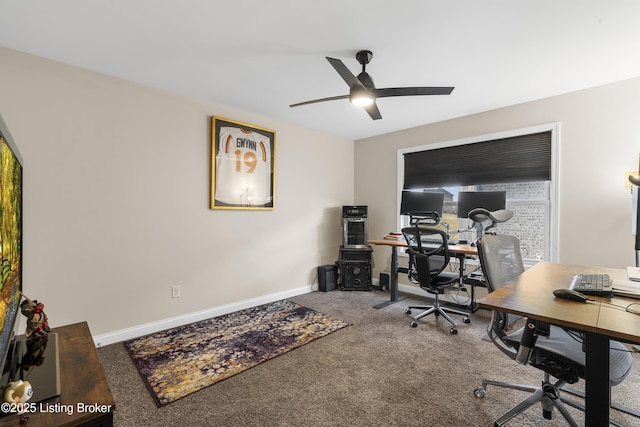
<point x="355" y="268"/>
<point x="327" y="277"/>
<point x="356" y="275"/>
<point x="384" y="281"/>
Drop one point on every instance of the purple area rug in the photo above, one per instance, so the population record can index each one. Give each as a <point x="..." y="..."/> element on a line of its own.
<point x="180" y="361"/>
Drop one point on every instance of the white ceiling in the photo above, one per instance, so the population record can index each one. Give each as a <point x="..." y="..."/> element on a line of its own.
<point x="263" y="55"/>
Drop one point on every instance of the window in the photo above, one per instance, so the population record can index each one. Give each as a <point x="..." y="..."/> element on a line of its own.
<point x="519" y="162"/>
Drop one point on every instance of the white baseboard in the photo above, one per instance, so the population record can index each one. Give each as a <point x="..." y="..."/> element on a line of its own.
<point x="161" y="325"/>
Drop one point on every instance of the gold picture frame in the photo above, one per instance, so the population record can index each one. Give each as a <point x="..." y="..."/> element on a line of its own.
<point x="243" y="165"/>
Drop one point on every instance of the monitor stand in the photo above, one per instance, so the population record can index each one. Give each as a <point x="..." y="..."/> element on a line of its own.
<point x="34" y="360"/>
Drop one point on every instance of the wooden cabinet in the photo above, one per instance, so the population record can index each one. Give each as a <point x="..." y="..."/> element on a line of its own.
<point x="85" y="395"/>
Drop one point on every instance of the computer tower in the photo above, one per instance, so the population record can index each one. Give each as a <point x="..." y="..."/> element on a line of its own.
<point x="355" y="269"/>
<point x="327" y="277"/>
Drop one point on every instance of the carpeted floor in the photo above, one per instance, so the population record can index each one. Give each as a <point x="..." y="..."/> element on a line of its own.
<point x="378" y="372"/>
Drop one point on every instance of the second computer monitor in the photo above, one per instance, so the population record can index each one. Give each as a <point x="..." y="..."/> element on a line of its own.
<point x="489" y="200"/>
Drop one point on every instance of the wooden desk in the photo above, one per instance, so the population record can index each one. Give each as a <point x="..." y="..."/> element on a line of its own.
<point x="459" y="251"/>
<point x="531" y="295"/>
<point x="85" y="395"/>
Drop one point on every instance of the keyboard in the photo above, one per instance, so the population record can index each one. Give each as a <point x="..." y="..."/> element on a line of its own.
<point x="593" y="284"/>
<point x="437" y="242"/>
<point x="431" y="242"/>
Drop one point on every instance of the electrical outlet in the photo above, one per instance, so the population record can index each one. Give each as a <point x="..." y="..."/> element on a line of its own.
<point x="175" y="291"/>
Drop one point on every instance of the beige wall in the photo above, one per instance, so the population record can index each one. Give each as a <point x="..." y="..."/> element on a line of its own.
<point x="116" y="193"/>
<point x="599" y="141"/>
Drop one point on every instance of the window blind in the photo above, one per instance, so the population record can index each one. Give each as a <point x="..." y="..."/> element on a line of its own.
<point x="519" y="158"/>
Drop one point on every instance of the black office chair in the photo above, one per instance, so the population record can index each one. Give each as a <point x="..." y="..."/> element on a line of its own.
<point x="421" y="218"/>
<point x="555" y="351"/>
<point x="429" y="251"/>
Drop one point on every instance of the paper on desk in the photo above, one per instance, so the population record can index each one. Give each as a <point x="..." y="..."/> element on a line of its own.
<point x="394" y="236"/>
<point x="633" y="273"/>
<point x="626" y="288"/>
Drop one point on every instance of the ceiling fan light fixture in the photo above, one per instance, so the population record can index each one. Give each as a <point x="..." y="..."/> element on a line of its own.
<point x="360" y="96"/>
<point x="363" y="92"/>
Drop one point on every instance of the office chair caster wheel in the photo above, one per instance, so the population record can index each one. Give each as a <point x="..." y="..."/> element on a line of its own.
<point x="466" y="320"/>
<point x="436" y="313"/>
<point x="408" y="311"/>
<point x="453" y="331"/>
<point x="479" y="393"/>
<point x="414" y="324"/>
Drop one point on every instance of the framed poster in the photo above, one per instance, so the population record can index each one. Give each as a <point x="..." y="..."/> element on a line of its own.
<point x="242" y="165"/>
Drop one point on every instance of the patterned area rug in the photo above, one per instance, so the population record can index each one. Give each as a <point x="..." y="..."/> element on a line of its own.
<point x="180" y="361"/>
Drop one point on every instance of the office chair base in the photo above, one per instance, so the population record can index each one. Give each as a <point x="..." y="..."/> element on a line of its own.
<point x="548" y="395"/>
<point x="439" y="310"/>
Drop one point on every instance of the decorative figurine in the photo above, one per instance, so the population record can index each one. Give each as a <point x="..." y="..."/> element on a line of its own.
<point x="18" y="393"/>
<point x="37" y="322"/>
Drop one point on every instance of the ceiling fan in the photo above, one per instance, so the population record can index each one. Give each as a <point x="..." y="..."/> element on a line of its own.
<point x="363" y="92"/>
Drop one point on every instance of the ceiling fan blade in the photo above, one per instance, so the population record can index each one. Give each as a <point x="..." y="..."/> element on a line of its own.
<point x="373" y="111"/>
<point x="412" y="91"/>
<point x="344" y="72"/>
<point x="332" y="98"/>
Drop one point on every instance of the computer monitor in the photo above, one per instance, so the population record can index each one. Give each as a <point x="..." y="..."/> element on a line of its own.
<point x="421" y="201"/>
<point x="490" y="200"/>
<point x="635" y="209"/>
